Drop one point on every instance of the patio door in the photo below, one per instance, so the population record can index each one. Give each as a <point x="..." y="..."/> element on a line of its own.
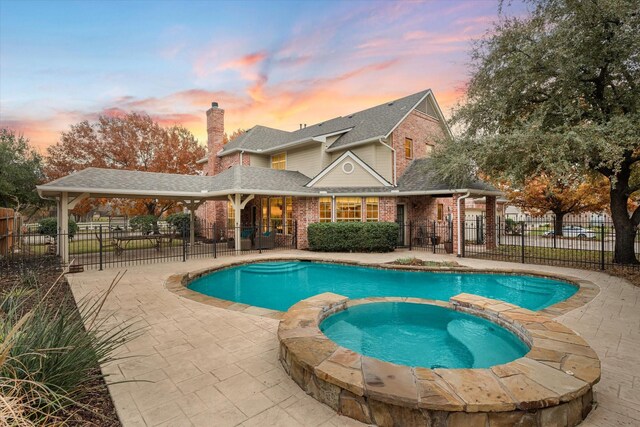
<point x="400" y="219"/>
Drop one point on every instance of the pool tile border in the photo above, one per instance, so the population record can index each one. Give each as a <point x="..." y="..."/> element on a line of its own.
<point x="553" y="381"/>
<point x="178" y="284"/>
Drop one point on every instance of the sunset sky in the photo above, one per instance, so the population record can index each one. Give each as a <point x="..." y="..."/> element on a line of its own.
<point x="272" y="63"/>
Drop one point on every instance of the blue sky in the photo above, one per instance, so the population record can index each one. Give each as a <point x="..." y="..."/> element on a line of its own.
<point x="271" y="63"/>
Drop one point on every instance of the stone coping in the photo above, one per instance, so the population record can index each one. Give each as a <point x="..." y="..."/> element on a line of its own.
<point x="552" y="382"/>
<point x="178" y="283"/>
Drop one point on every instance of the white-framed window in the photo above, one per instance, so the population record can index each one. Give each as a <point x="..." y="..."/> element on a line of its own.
<point x="373" y="213"/>
<point x="326" y="205"/>
<point x="277" y="214"/>
<point x="408" y="148"/>
<point x="279" y="161"/>
<point x="348" y="209"/>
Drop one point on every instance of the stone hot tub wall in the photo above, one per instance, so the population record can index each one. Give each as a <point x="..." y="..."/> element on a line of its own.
<point x="550" y="385"/>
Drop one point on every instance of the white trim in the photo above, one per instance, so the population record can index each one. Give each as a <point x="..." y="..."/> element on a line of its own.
<point x="355" y="158"/>
<point x="353" y="144"/>
<point x="277" y="154"/>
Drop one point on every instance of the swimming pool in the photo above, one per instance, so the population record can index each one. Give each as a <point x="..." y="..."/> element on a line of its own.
<point x="423" y="335"/>
<point x="279" y="285"/>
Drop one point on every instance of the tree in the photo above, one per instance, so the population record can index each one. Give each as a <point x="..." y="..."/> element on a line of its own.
<point x="132" y="142"/>
<point x="554" y="93"/>
<point x="573" y="196"/>
<point x="20" y="172"/>
<point x="236" y="133"/>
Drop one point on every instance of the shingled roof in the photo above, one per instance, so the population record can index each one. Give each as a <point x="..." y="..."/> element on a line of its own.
<point x="375" y="122"/>
<point x="421" y="176"/>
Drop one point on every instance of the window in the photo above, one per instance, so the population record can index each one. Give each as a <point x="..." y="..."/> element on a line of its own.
<point x="231" y="215"/>
<point x="348" y="209"/>
<point x="288" y="215"/>
<point x="265" y="214"/>
<point x="408" y="148"/>
<point x="372" y="209"/>
<point x="429" y="149"/>
<point x="440" y="211"/>
<point x="275" y="214"/>
<point x="325" y="209"/>
<point x="279" y="161"/>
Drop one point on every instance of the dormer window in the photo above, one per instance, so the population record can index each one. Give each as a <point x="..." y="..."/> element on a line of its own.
<point x="279" y="161"/>
<point x="408" y="148"/>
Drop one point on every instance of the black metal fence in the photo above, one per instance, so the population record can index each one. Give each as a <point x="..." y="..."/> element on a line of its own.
<point x="427" y="235"/>
<point x="99" y="246"/>
<point x="583" y="242"/>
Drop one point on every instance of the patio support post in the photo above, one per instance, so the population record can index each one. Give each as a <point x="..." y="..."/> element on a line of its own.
<point x="238" y="204"/>
<point x="59" y="222"/>
<point x="64" y="228"/>
<point x="192" y="205"/>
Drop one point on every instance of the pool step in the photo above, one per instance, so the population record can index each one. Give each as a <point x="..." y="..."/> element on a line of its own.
<point x="274" y="268"/>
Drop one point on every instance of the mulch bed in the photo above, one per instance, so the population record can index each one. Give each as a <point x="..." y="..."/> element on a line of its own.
<point x="42" y="273"/>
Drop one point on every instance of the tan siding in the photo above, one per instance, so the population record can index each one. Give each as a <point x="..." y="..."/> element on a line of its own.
<point x="307" y="160"/>
<point x="338" y="178"/>
<point x="377" y="156"/>
<point x="260" y="161"/>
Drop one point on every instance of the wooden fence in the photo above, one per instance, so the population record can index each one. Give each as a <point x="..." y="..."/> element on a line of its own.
<point x="8" y="224"/>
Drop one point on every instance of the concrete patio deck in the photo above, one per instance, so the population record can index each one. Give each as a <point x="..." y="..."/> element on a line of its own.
<point x="207" y="366"/>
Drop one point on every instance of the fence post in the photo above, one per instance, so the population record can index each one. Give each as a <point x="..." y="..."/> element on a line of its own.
<point x="499" y="226"/>
<point x="184" y="246"/>
<point x="100" y="245"/>
<point x="215" y="241"/>
<point x="522" y="240"/>
<point x="602" y="246"/>
<point x="435" y="237"/>
<point x="410" y="234"/>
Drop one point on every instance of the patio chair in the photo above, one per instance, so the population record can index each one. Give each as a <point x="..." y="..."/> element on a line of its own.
<point x="266" y="240"/>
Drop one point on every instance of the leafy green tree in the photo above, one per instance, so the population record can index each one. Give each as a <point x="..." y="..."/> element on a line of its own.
<point x="556" y="93"/>
<point x="20" y="171"/>
<point x="49" y="227"/>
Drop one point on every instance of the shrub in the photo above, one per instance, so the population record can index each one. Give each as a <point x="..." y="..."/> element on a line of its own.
<point x="50" y="353"/>
<point x="143" y="223"/>
<point x="353" y="236"/>
<point x="49" y="227"/>
<point x="180" y="221"/>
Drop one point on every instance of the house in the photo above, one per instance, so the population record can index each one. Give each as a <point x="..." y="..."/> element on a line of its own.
<point x="372" y="165"/>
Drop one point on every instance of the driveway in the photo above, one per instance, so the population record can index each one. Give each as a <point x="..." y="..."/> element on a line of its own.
<point x="203" y="366"/>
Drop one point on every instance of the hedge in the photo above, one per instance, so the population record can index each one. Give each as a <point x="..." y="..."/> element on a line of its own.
<point x="353" y="236"/>
<point x="49" y="227"/>
<point x="143" y="223"/>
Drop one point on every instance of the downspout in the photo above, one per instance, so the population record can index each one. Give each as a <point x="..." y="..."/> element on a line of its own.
<point x="395" y="169"/>
<point x="459" y="226"/>
<point x="241" y="153"/>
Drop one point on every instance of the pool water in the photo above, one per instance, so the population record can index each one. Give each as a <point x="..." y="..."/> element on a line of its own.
<point x="279" y="285"/>
<point x="423" y="335"/>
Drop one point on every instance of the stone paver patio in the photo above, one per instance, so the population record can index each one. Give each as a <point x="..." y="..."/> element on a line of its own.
<point x="203" y="365"/>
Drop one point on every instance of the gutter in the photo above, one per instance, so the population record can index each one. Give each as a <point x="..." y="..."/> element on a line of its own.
<point x="269" y="150"/>
<point x="459" y="225"/>
<point x="353" y="144"/>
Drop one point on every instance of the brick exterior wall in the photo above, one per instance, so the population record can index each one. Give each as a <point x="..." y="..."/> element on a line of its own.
<point x="306" y="210"/>
<point x="422" y="129"/>
<point x="491" y="222"/>
<point x="387" y="209"/>
<point x="458" y="217"/>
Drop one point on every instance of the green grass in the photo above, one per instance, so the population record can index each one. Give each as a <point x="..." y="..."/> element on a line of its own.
<point x="78" y="247"/>
<point x="544" y="255"/>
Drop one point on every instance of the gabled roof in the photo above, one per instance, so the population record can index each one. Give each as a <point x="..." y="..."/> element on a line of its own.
<point x="358" y="160"/>
<point x="366" y="125"/>
<point x="420" y="176"/>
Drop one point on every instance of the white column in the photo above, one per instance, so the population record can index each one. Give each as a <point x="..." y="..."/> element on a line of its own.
<point x="237" y="209"/>
<point x="59" y="226"/>
<point x="64" y="228"/>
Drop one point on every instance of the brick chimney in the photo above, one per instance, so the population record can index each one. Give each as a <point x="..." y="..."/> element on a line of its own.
<point x="215" y="136"/>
